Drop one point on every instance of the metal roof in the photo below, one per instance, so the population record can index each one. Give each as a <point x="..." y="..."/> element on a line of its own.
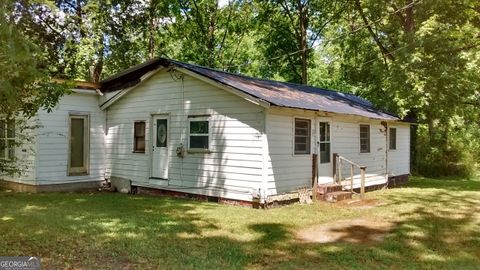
<point x="276" y="93"/>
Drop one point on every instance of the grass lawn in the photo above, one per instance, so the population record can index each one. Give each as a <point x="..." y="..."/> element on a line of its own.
<point x="436" y="225"/>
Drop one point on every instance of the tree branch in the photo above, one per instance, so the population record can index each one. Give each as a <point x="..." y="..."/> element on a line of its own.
<point x="199" y="18"/>
<point x="220" y="50"/>
<point x="317" y="34"/>
<point x="382" y="48"/>
<point x="464" y="48"/>
<point x="399" y="14"/>
<point x="290" y="16"/>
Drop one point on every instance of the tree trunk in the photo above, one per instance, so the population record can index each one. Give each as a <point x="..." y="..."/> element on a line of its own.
<point x="97" y="70"/>
<point x="79" y="19"/>
<point x="151" y="30"/>
<point x="386" y="53"/>
<point x="211" y="38"/>
<point x="303" y="10"/>
<point x="96" y="73"/>
<point x="151" y="39"/>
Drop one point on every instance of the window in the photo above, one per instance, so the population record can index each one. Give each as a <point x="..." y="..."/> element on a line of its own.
<point x="302" y="136"/>
<point x="324" y="142"/>
<point x="7" y="139"/>
<point x="198" y="133"/>
<point x="139" y="137"/>
<point x="364" y="139"/>
<point x="79" y="145"/>
<point x="162" y="134"/>
<point x="392" y="138"/>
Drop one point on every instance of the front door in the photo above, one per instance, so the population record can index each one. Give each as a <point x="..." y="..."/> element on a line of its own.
<point x="160" y="147"/>
<point x="325" y="168"/>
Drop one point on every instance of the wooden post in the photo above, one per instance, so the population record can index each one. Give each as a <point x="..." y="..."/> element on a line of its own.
<point x="335" y="155"/>
<point x="314" y="176"/>
<point x="362" y="185"/>
<point x="351" y="178"/>
<point x="339" y="171"/>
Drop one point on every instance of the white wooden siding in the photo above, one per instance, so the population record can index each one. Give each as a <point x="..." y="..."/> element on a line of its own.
<point x="287" y="172"/>
<point x="251" y="147"/>
<point x="26" y="155"/>
<point x="399" y="159"/>
<point x="346" y="142"/>
<point x="52" y="140"/>
<point x="234" y="166"/>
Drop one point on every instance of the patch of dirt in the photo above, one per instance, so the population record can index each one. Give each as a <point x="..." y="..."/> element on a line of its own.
<point x="357" y="230"/>
<point x="362" y="204"/>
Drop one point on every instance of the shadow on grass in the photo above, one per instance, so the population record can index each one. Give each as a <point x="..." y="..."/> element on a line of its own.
<point x="436" y="229"/>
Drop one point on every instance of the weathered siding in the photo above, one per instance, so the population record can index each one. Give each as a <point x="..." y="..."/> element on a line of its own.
<point x="233" y="167"/>
<point x="288" y="172"/>
<point x="25" y="155"/>
<point x="53" y="141"/>
<point x="346" y="142"/>
<point x="399" y="159"/>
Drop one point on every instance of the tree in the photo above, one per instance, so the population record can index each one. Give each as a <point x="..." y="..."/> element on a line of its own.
<point x="212" y="35"/>
<point x="25" y="85"/>
<point x="419" y="59"/>
<point x="291" y="29"/>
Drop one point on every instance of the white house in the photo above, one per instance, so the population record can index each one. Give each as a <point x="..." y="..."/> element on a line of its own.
<point x="188" y="129"/>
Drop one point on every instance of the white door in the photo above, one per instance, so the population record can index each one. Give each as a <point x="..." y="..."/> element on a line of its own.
<point x="160" y="147"/>
<point x="325" y="167"/>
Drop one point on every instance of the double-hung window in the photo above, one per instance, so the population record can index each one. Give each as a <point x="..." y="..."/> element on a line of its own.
<point x="7" y="139"/>
<point x="302" y="136"/>
<point x="364" y="138"/>
<point x="198" y="133"/>
<point x="139" y="137"/>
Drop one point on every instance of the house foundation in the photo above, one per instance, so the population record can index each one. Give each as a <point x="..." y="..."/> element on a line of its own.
<point x="78" y="186"/>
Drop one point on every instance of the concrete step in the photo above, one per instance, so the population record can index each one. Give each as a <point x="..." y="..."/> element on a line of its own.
<point x="328" y="188"/>
<point x="338" y="196"/>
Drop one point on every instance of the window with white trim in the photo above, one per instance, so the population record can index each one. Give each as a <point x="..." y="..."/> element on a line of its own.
<point x="7" y="139"/>
<point x="302" y="136"/>
<point x="392" y="138"/>
<point x="198" y="133"/>
<point x="324" y="142"/>
<point x="364" y="138"/>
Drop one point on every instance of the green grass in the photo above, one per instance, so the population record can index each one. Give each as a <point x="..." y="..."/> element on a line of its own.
<point x="437" y="226"/>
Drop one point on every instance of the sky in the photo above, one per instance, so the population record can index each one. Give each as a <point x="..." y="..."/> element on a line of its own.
<point x="222" y="3"/>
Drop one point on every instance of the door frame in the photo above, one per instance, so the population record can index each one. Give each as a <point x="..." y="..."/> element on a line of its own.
<point x="319" y="164"/>
<point x="85" y="170"/>
<point x="153" y="139"/>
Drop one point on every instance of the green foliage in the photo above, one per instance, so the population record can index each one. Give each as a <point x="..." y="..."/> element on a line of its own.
<point x="21" y="129"/>
<point x="25" y="85"/>
<point x="455" y="157"/>
<point x="420" y="60"/>
<point x="288" y="31"/>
